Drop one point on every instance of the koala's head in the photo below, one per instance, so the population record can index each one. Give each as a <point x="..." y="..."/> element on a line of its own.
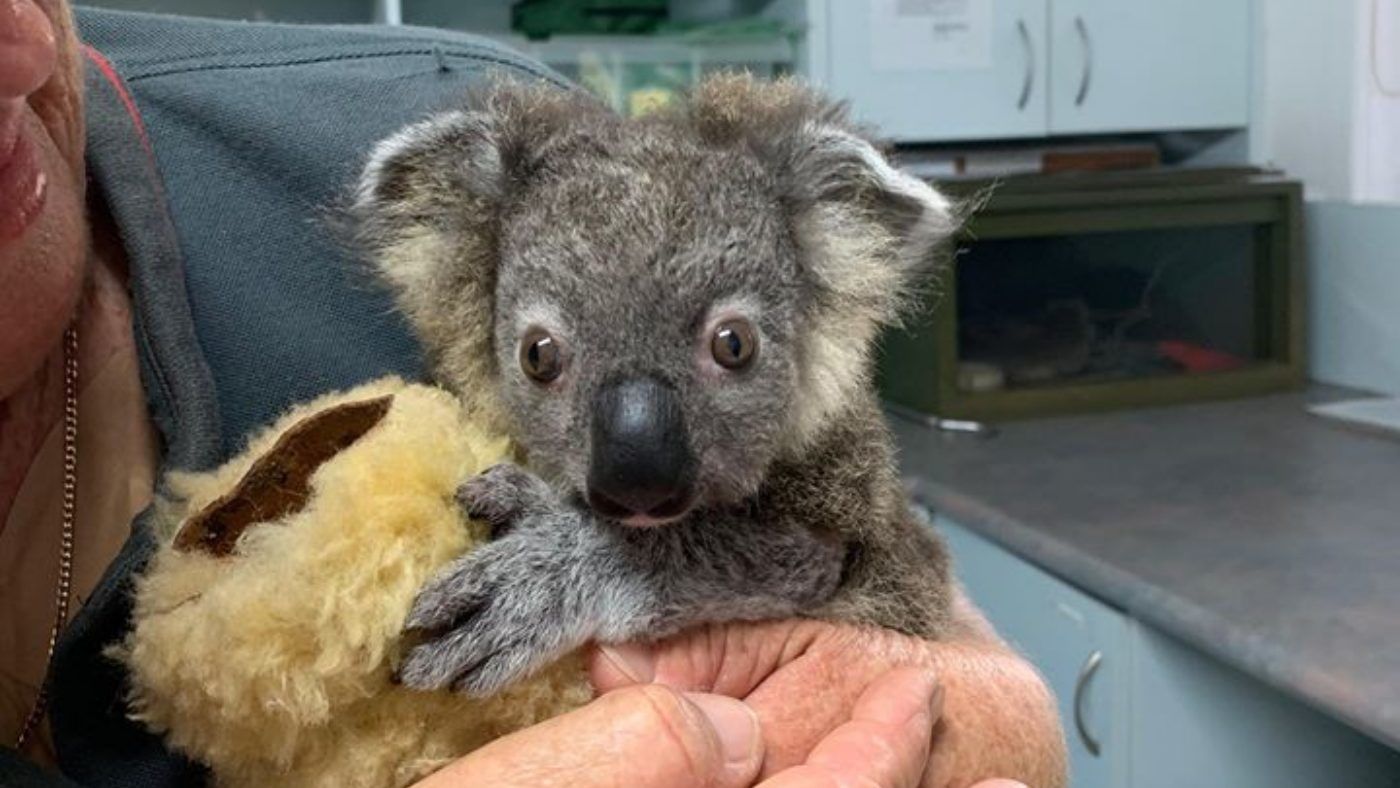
<point x="657" y="309"/>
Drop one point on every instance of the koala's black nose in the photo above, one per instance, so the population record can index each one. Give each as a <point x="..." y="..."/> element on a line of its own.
<point x="641" y="463"/>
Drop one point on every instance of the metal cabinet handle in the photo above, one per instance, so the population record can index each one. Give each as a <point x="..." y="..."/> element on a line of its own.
<point x="1088" y="76"/>
<point x="1086" y="672"/>
<point x="1029" y="48"/>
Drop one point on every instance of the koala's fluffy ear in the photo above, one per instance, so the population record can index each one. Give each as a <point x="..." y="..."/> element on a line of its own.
<point x="427" y="211"/>
<point x="866" y="231"/>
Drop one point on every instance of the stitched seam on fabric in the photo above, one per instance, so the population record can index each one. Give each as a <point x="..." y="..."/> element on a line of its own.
<point x="181" y="412"/>
<point x="110" y="74"/>
<point x="158" y="372"/>
<point x="302" y="52"/>
<point x="142" y="330"/>
<point x="168" y="69"/>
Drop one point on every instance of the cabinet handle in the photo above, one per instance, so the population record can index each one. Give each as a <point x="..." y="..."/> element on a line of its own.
<point x="1029" y="49"/>
<point x="1086" y="672"/>
<point x="1088" y="76"/>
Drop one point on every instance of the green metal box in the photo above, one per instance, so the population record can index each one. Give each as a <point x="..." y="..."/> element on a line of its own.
<point x="1213" y="258"/>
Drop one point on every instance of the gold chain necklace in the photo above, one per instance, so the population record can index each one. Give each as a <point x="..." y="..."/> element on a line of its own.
<point x="70" y="517"/>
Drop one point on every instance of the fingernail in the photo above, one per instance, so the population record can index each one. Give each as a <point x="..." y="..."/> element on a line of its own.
<point x="737" y="726"/>
<point x="635" y="662"/>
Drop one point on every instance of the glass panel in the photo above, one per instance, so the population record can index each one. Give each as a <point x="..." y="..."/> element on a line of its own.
<point x="1101" y="307"/>
<point x="636" y="74"/>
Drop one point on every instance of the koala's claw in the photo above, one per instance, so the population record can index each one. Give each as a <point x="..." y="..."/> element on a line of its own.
<point x="501" y="495"/>
<point x="488" y="626"/>
<point x="449" y="596"/>
<point x="455" y="661"/>
<point x="507" y="607"/>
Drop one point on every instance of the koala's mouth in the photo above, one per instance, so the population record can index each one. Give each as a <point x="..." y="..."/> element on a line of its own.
<point x="663" y="513"/>
<point x="641" y="469"/>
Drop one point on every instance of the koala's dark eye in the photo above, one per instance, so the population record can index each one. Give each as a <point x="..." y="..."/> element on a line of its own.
<point x="734" y="344"/>
<point x="540" y="356"/>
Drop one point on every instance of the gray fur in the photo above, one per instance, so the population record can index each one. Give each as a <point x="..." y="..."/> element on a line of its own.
<point x="558" y="578"/>
<point x="627" y="240"/>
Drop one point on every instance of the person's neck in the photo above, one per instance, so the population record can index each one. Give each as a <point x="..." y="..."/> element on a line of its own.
<point x="26" y="417"/>
<point x="103" y="320"/>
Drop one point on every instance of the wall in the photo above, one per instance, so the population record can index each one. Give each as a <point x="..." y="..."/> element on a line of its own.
<point x="1319" y="116"/>
<point x="1304" y="94"/>
<point x="1379" y="105"/>
<point x="1327" y="97"/>
<point x="1354" y="316"/>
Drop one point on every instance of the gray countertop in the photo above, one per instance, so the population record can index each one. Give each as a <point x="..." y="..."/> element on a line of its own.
<point x="1263" y="535"/>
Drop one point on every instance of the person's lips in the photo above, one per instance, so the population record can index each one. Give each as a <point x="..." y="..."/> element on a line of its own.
<point x="28" y="55"/>
<point x="23" y="184"/>
<point x="28" y="49"/>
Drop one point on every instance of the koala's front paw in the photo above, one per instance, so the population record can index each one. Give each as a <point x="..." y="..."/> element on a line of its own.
<point x="502" y="494"/>
<point x="496" y="614"/>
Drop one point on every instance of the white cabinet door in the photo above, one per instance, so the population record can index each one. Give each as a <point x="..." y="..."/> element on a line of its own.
<point x="1162" y="714"/>
<point x="1200" y="722"/>
<point x="1080" y="645"/>
<point x="922" y="73"/>
<point x="1148" y="65"/>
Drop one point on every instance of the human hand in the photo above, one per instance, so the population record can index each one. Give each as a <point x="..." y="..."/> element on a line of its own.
<point x="651" y="736"/>
<point x="803" y="679"/>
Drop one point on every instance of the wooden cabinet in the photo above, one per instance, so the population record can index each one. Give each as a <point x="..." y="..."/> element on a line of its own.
<point x="1140" y="65"/>
<point x="1035" y="67"/>
<point x="1161" y="713"/>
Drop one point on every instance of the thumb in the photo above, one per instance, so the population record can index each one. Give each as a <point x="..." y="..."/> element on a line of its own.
<point x="646" y="736"/>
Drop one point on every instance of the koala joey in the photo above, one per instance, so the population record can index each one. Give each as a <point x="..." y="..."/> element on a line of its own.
<point x="673" y="318"/>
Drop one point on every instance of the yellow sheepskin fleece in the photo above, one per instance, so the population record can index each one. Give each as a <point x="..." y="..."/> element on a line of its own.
<point x="273" y="664"/>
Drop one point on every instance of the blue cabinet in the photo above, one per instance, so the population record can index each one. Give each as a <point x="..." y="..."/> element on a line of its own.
<point x="996" y="91"/>
<point x="1156" y="712"/>
<point x="1139" y="65"/>
<point x="1199" y="722"/>
<point x="1079" y="644"/>
<point x="1003" y="69"/>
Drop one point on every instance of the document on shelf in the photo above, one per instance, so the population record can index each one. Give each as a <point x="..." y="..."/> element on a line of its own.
<point x="930" y="35"/>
